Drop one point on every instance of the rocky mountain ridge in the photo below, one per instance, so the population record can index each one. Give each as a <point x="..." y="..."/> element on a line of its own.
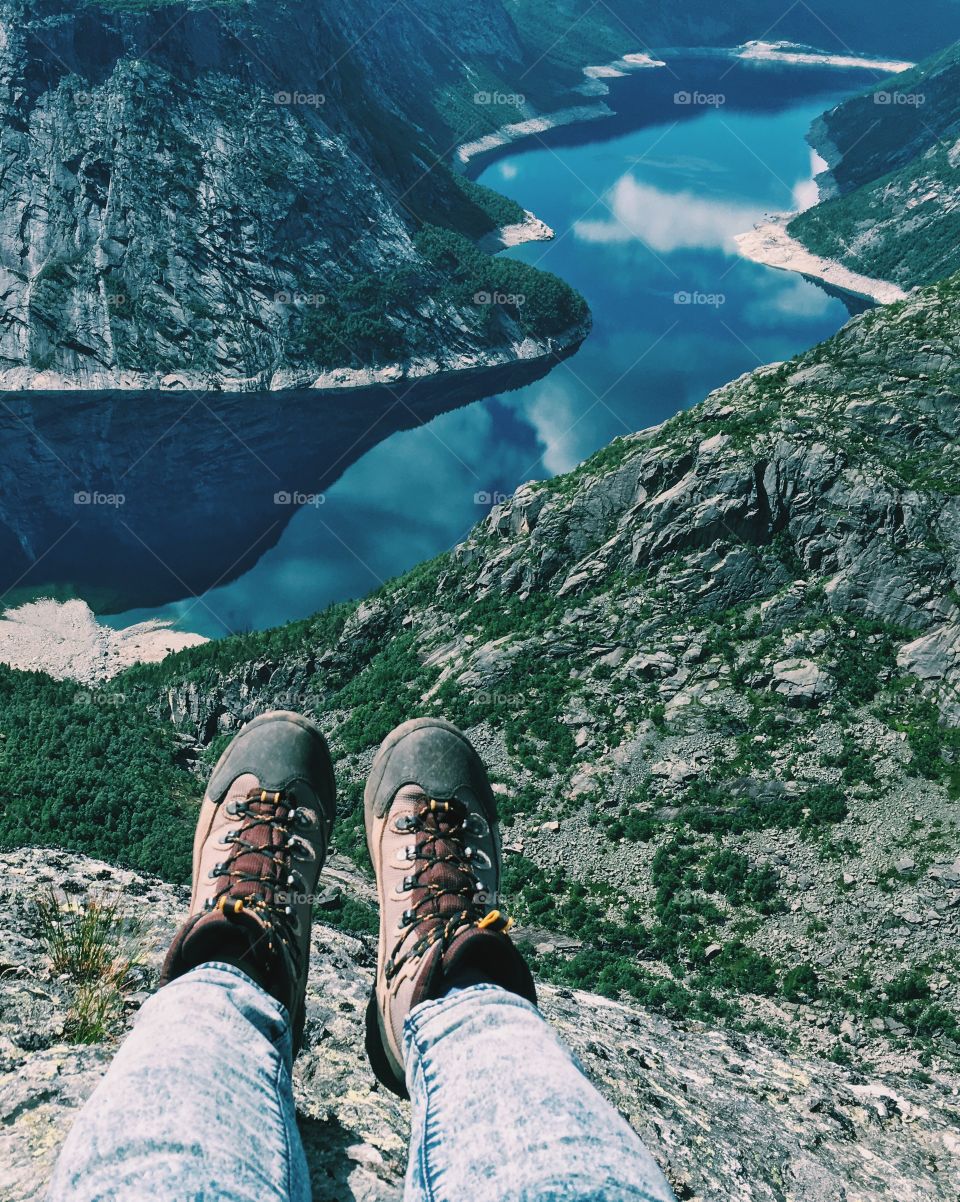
<point x="889" y="194"/>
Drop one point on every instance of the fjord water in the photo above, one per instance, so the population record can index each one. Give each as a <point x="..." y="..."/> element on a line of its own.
<point x="645" y="206"/>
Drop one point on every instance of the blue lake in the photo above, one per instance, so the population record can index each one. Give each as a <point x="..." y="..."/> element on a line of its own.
<point x="645" y="206"/>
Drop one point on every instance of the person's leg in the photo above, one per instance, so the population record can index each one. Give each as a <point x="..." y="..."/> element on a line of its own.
<point x="197" y="1103"/>
<point x="501" y="1109"/>
<point x="503" y="1112"/>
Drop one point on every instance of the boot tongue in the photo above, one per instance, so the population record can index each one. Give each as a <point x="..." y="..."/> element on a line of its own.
<point x="441" y="837"/>
<point x="266" y="840"/>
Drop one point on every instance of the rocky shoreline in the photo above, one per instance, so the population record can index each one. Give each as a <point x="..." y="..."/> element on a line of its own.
<point x="65" y="640"/>
<point x="792" y="54"/>
<point x="531" y="229"/>
<point x="338" y="379"/>
<point x="593" y="86"/>
<point x="771" y="244"/>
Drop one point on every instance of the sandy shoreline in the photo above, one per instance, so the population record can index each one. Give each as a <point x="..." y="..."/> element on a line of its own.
<point x="65" y="640"/>
<point x="791" y="53"/>
<point x="531" y="229"/>
<point x="770" y="243"/>
<point x="593" y="85"/>
<point x="518" y="130"/>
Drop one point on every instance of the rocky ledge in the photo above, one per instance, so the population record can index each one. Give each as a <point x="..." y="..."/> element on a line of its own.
<point x="728" y="1116"/>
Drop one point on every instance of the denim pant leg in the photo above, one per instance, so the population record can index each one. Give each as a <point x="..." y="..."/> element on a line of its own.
<point x="197" y="1104"/>
<point x="502" y="1111"/>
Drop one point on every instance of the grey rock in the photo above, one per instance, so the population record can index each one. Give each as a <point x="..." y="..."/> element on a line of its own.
<point x="801" y="682"/>
<point x="177" y="205"/>
<point x="772" y="1115"/>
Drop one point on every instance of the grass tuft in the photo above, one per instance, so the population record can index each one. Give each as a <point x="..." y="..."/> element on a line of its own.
<point x="96" y="948"/>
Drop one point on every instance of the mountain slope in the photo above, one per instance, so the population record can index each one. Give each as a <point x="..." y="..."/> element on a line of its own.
<point x="891" y="189"/>
<point x="714" y="670"/>
<point x="230" y="197"/>
<point x="837" y="26"/>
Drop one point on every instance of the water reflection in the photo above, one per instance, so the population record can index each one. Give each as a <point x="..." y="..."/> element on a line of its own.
<point x="133" y="500"/>
<point x="644" y="205"/>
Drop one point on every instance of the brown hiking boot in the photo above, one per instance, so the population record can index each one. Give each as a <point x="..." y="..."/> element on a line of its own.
<point x="261" y="841"/>
<point x="434" y="840"/>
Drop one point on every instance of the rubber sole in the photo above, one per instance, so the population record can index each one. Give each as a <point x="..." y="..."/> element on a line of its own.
<point x="376" y="1048"/>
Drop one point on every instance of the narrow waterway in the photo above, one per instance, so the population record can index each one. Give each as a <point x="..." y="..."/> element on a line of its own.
<point x="645" y="206"/>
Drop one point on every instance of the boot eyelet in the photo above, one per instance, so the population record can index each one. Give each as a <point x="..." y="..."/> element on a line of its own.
<point x="476" y="825"/>
<point x="301" y="849"/>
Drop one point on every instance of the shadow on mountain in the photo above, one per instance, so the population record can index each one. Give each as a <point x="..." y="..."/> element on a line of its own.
<point x="134" y="500"/>
<point x="691" y="84"/>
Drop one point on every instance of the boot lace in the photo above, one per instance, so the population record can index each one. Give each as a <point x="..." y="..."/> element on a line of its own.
<point x="259" y="876"/>
<point x="448" y="897"/>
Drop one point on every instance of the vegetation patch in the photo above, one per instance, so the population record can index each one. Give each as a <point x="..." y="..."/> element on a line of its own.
<point x="95" y="948"/>
<point x="92" y="770"/>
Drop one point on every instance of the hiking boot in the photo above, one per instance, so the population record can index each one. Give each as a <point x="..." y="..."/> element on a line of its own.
<point x="434" y="840"/>
<point x="261" y="841"/>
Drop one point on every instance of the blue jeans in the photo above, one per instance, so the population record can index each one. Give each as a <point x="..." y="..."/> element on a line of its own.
<point x="198" y="1105"/>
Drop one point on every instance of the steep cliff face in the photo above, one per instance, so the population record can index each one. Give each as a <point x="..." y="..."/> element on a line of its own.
<point x="228" y="197"/>
<point x="890" y="192"/>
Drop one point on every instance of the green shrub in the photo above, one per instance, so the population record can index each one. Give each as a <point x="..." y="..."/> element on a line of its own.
<point x="801" y="983"/>
<point x="548" y="305"/>
<point x="93" y="770"/>
<point x="96" y="948"/>
<point x="911" y="985"/>
<point x="740" y="968"/>
<point x="730" y="874"/>
<point x="629" y="824"/>
<point x="350" y="915"/>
